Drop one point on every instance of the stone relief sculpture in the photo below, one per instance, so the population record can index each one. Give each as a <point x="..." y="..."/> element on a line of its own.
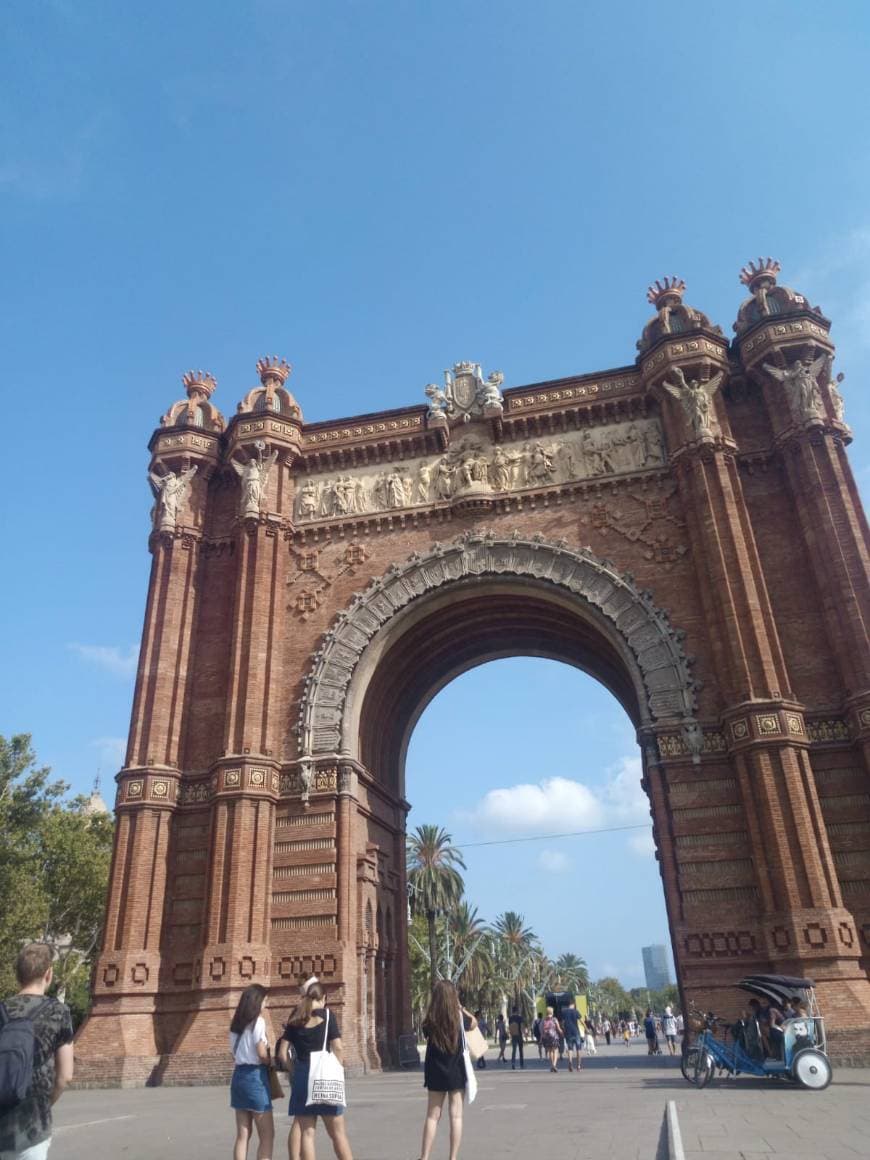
<point x="801" y="386"/>
<point x="254" y="476"/>
<point x="438" y="402"/>
<point x="696" y="398"/>
<point x="169" y="492"/>
<point x="474" y="467"/>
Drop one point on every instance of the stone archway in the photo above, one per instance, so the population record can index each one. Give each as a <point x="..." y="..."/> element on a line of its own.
<point x="409" y="633"/>
<point x="641" y="632"/>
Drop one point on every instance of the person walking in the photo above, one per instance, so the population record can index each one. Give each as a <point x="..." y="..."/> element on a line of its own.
<point x="484" y="1031"/>
<point x="444" y="1066"/>
<point x="669" y="1030"/>
<point x="31" y="1082"/>
<point x="250" y="1095"/>
<point x="572" y="1032"/>
<point x="649" y="1027"/>
<point x="591" y="1049"/>
<point x="305" y="1034"/>
<point x="551" y="1030"/>
<point x="608" y="1030"/>
<point x="536" y="1035"/>
<point x="516" y="1029"/>
<point x="626" y="1034"/>
<point x="501" y="1034"/>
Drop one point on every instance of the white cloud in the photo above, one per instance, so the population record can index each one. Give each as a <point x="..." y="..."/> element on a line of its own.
<point x="110" y="657"/>
<point x="554" y="861"/>
<point x="560" y="805"/>
<point x="553" y="805"/>
<point x="112" y="750"/>
<point x="642" y="843"/>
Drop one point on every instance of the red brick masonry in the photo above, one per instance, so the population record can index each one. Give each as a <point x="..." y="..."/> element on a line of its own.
<point x="687" y="529"/>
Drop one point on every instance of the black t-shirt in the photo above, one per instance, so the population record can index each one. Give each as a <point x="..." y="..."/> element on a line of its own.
<point x="29" y="1122"/>
<point x="571" y="1022"/>
<point x="304" y="1040"/>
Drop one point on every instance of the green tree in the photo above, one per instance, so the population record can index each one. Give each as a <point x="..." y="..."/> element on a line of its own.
<point x="572" y="973"/>
<point x="611" y="998"/>
<point x="435" y="881"/>
<point x="472" y="953"/>
<point x="517" y="951"/>
<point x="54" y="869"/>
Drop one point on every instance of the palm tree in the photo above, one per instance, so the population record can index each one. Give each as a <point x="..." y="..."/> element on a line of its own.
<point x="519" y="945"/>
<point x="572" y="972"/>
<point x="434" y="880"/>
<point x="471" y="951"/>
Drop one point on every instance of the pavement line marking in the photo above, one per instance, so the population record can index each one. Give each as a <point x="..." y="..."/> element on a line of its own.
<point x="675" y="1138"/>
<point x="90" y="1123"/>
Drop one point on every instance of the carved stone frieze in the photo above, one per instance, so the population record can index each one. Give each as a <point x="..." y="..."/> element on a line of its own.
<point x="476" y="466"/>
<point x="644" y="628"/>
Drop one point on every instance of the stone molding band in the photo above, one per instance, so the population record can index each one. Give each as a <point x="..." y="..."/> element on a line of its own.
<point x="642" y="628"/>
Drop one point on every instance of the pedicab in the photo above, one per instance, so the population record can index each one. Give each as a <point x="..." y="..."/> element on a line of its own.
<point x="801" y="1047"/>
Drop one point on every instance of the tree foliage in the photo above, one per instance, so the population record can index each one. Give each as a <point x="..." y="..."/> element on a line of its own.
<point x="54" y="869"/>
<point x="434" y="878"/>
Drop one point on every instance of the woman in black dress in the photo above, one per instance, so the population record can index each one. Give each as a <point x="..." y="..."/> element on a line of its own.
<point x="444" y="1070"/>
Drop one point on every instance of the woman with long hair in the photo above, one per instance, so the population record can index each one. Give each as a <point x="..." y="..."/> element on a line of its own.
<point x="444" y="1069"/>
<point x="250" y="1095"/>
<point x="304" y="1033"/>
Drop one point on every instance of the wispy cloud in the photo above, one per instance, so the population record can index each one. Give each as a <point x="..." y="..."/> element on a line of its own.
<point x="115" y="660"/>
<point x="557" y="805"/>
<point x="112" y="750"/>
<point x="554" y="861"/>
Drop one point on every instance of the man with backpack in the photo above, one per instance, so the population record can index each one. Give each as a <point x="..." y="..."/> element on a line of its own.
<point x="515" y="1027"/>
<point x="36" y="1058"/>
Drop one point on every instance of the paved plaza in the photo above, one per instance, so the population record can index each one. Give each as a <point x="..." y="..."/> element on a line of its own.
<point x="614" y="1108"/>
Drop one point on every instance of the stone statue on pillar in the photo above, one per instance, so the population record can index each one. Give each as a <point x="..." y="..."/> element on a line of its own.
<point x="801" y="385"/>
<point x="254" y="476"/>
<point x="696" y="398"/>
<point x="169" y="492"/>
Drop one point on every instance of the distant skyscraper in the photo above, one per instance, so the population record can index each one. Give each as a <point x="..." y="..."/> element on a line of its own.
<point x="655" y="967"/>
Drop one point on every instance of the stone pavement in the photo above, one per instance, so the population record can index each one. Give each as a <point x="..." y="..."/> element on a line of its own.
<point x="613" y="1109"/>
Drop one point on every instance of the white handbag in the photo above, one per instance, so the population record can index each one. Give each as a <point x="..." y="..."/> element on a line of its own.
<point x="470" y="1077"/>
<point x="325" y="1075"/>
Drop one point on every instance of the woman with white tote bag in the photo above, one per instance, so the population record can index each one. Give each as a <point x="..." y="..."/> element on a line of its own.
<point x="447" y="1070"/>
<point x="313" y="1032"/>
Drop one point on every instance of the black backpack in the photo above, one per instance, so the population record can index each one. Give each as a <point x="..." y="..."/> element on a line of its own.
<point x="17" y="1044"/>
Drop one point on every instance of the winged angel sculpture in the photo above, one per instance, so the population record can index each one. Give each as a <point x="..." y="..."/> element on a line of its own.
<point x="254" y="476"/>
<point x="169" y="492"/>
<point x="802" y="388"/>
<point x="696" y="399"/>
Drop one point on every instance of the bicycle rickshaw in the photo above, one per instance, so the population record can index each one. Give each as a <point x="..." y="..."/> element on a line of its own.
<point x="801" y="1044"/>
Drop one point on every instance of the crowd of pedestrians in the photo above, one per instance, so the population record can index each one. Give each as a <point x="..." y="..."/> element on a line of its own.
<point x="36" y="1061"/>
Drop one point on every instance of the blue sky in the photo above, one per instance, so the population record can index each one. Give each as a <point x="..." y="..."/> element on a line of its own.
<point x="375" y="191"/>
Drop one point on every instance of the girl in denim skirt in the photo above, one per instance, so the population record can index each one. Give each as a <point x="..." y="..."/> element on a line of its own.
<point x="250" y="1094"/>
<point x="304" y="1033"/>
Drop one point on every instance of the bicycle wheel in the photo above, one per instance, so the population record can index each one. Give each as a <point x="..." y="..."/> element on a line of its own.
<point x="688" y="1061"/>
<point x="704" y="1068"/>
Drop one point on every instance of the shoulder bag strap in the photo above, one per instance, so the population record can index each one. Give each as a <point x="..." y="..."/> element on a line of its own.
<point x="326" y="1030"/>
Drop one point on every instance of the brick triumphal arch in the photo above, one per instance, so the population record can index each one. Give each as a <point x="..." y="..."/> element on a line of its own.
<point x="686" y="529"/>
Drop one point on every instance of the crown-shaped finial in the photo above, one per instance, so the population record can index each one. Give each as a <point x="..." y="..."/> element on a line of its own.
<point x="273" y="367"/>
<point x="660" y="291"/>
<point x="199" y="381"/>
<point x="753" y="272"/>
